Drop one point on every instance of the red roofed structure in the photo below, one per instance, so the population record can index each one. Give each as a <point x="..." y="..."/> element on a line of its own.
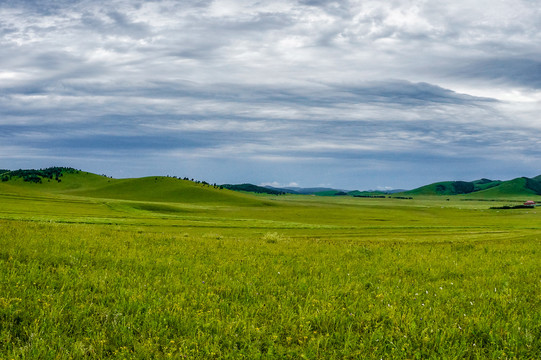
<point x="530" y="203"/>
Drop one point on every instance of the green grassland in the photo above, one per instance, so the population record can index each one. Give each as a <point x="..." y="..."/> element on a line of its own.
<point x="156" y="268"/>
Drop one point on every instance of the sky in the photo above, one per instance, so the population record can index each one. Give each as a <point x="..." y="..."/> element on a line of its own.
<point x="346" y="94"/>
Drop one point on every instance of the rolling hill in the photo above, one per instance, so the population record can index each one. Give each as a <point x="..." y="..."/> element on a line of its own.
<point x="167" y="189"/>
<point x="483" y="188"/>
<point x="522" y="186"/>
<point x="68" y="181"/>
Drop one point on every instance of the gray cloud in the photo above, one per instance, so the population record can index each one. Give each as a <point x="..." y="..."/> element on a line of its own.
<point x="224" y="88"/>
<point x="514" y="71"/>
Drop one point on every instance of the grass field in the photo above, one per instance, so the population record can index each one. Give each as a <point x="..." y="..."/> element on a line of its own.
<point x="92" y="268"/>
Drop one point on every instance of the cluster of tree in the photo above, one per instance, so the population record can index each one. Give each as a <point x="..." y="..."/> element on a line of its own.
<point x="484" y="200"/>
<point x="195" y="181"/>
<point x="252" y="188"/>
<point x="533" y="185"/>
<point x="37" y="176"/>
<point x="508" y="207"/>
<point x="456" y="187"/>
<point x="370" y="196"/>
<point x="463" y="187"/>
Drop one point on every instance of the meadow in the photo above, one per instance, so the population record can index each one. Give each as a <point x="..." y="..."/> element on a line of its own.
<point x="106" y="274"/>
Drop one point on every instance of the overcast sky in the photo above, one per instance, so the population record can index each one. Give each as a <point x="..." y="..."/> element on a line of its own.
<point x="350" y="94"/>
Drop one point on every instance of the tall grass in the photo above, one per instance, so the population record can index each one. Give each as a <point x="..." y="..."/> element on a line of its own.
<point x="75" y="291"/>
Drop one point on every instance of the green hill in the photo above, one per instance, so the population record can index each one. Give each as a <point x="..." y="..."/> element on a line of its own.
<point x="156" y="189"/>
<point x="519" y="187"/>
<point x="166" y="189"/>
<point x="483" y="188"/>
<point x="61" y="180"/>
<point x="443" y="188"/>
<point x="484" y="184"/>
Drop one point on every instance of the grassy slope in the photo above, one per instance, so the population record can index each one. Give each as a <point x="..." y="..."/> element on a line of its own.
<point x="431" y="189"/>
<point x="155" y="189"/>
<point x="516" y="188"/>
<point x="163" y="189"/>
<point x="484" y="184"/>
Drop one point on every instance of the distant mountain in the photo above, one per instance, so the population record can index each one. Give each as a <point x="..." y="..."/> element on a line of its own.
<point x="311" y="191"/>
<point x="254" y="189"/>
<point x="283" y="190"/>
<point x="390" y="191"/>
<point x="319" y="191"/>
<point x="368" y="193"/>
<point x="330" y="193"/>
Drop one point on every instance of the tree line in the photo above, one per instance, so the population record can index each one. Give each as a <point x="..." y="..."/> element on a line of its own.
<point x="37" y="176"/>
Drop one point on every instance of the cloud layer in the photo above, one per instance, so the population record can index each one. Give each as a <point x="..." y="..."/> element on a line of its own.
<point x="344" y="93"/>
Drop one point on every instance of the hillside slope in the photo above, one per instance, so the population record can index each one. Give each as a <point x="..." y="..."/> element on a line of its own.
<point x="443" y="188"/>
<point x="165" y="189"/>
<point x="483" y="188"/>
<point x="519" y="187"/>
<point x="156" y="189"/>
